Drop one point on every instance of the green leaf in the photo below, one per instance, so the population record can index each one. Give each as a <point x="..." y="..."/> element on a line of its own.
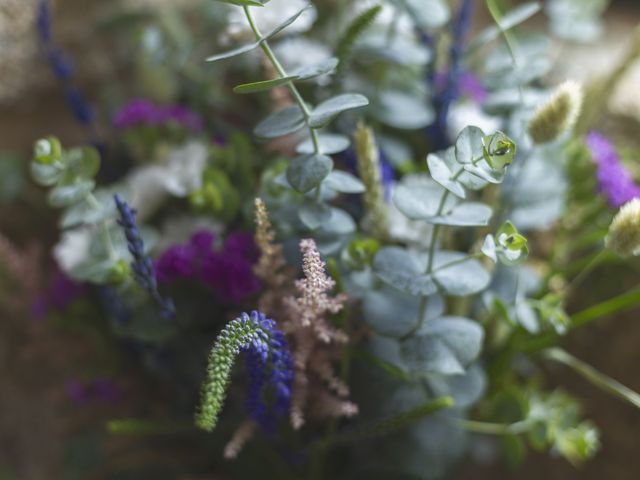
<point x="470" y="181"/>
<point x="283" y="122"/>
<point x="498" y="150"/>
<point x="233" y="53"/>
<point x="447" y="345"/>
<point x="314" y="214"/>
<point x="85" y="213"/>
<point x="263" y="85"/>
<point x="393" y="313"/>
<point x="47" y="150"/>
<point x="468" y="146"/>
<point x="458" y="275"/>
<point x="485" y="172"/>
<point x="340" y="223"/>
<point x="467" y="214"/>
<point x="94" y="271"/>
<point x="82" y="162"/>
<point x="308" y="171"/>
<point x="308" y="72"/>
<point x="398" y="268"/>
<point x="286" y="23"/>
<point x="442" y="174"/>
<point x="65" y="195"/>
<point x="419" y="201"/>
<point x="428" y="14"/>
<point x="45" y="174"/>
<point x="329" y="143"/>
<point x="344" y="182"/>
<point x="329" y="109"/>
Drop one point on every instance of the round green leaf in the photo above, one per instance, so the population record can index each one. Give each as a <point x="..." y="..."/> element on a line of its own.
<point x="404" y="111"/>
<point x="317" y="70"/>
<point x="65" y="195"/>
<point x="328" y="109"/>
<point x="468" y="146"/>
<point x="83" y="162"/>
<point x="344" y="182"/>
<point x="457" y="275"/>
<point x="314" y="214"/>
<point x="45" y="174"/>
<point x="442" y="174"/>
<point x="419" y="201"/>
<point x="400" y="269"/>
<point x="329" y="144"/>
<point x="340" y="223"/>
<point x="467" y="214"/>
<point x="447" y="345"/>
<point x="283" y="122"/>
<point x="308" y="171"/>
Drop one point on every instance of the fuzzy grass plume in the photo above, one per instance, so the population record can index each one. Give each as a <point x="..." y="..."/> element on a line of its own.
<point x="558" y="114"/>
<point x="624" y="233"/>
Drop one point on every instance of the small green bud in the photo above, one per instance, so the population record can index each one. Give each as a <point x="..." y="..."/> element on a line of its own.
<point x="624" y="232"/>
<point x="360" y="253"/>
<point x="498" y="150"/>
<point x="119" y="272"/>
<point x="558" y="114"/>
<point x="47" y="150"/>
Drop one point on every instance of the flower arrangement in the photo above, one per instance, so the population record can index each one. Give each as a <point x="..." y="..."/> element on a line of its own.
<point x="378" y="200"/>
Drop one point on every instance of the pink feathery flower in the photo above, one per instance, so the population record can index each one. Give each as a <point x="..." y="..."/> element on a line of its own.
<point x="614" y="180"/>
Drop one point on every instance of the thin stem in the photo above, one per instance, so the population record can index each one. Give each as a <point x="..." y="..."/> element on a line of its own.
<point x="494" y="428"/>
<point x="264" y="45"/>
<point x="588" y="268"/>
<point x="600" y="380"/>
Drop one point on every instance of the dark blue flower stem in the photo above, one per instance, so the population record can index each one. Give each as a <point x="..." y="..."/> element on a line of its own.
<point x="141" y="265"/>
<point x="62" y="67"/>
<point x="443" y="98"/>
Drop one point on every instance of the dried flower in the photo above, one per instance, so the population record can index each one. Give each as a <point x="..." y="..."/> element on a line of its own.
<point x="613" y="179"/>
<point x="141" y="265"/>
<point x="558" y="114"/>
<point x="242" y="435"/>
<point x="624" y="232"/>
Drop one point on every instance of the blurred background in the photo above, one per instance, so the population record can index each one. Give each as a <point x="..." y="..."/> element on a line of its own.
<point x="40" y="428"/>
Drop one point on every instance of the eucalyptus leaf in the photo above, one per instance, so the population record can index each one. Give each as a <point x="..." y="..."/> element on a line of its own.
<point x="245" y="3"/>
<point x="509" y="20"/>
<point x="327" y="110"/>
<point x="263" y="85"/>
<point x="468" y="146"/>
<point x="308" y="72"/>
<point x="428" y="14"/>
<point x="283" y="122"/>
<point x="466" y="389"/>
<point x="468" y="180"/>
<point x="344" y="182"/>
<point x="314" y="214"/>
<point x="442" y="174"/>
<point x="328" y="143"/>
<point x="234" y="52"/>
<point x="485" y="172"/>
<point x="307" y="172"/>
<point x="447" y="345"/>
<point x="340" y="223"/>
<point x="419" y="201"/>
<point x="93" y="271"/>
<point x="45" y="174"/>
<point x="83" y="162"/>
<point x="399" y="268"/>
<point x="458" y="275"/>
<point x="467" y="214"/>
<point x="403" y="110"/>
<point x="65" y="195"/>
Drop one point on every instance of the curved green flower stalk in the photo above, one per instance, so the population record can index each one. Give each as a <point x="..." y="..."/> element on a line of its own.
<point x="239" y="333"/>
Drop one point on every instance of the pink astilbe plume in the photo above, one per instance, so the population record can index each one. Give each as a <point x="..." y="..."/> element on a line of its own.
<point x="304" y="308"/>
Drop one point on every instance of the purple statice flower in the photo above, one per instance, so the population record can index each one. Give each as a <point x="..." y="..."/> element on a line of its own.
<point x="62" y="66"/>
<point x="229" y="271"/>
<point x="614" y="181"/>
<point x="141" y="265"/>
<point x="270" y="368"/>
<point x="144" y="112"/>
<point x="99" y="389"/>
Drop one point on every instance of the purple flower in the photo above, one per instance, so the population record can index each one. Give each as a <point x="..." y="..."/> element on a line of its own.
<point x="99" y="389"/>
<point x="229" y="272"/>
<point x="614" y="180"/>
<point x="144" y="112"/>
<point x="60" y="293"/>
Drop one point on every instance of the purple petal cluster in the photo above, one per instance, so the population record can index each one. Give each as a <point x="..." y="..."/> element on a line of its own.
<point x="62" y="67"/>
<point x="270" y="368"/>
<point x="144" y="112"/>
<point x="614" y="181"/>
<point x="228" y="271"/>
<point x="141" y="265"/>
<point x="98" y="389"/>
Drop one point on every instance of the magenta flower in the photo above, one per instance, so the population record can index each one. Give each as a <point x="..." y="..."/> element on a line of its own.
<point x="614" y="181"/>
<point x="144" y="112"/>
